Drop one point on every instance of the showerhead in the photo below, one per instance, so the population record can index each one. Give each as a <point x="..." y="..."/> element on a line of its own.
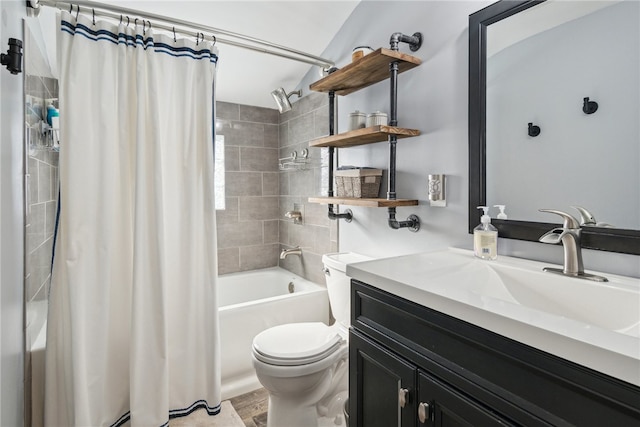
<point x="282" y="99"/>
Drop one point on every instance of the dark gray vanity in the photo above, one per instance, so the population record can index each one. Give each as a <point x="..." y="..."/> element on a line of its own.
<point x="412" y="366"/>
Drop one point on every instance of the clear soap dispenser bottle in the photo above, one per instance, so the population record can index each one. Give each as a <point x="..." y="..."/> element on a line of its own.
<point x="485" y="237"/>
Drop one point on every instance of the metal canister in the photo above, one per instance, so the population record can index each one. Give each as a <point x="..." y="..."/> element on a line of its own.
<point x="357" y="120"/>
<point x="376" y="119"/>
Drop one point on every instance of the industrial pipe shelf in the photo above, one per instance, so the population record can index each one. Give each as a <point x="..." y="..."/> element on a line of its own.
<point x="368" y="203"/>
<point x="366" y="71"/>
<point x="363" y="136"/>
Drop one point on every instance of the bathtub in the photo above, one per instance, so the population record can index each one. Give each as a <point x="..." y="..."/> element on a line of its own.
<point x="249" y="302"/>
<point x="253" y="301"/>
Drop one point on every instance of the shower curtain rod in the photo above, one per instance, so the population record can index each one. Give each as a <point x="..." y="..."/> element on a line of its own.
<point x="187" y="28"/>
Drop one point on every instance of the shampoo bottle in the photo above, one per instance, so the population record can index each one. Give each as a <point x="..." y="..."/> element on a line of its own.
<point x="485" y="237"/>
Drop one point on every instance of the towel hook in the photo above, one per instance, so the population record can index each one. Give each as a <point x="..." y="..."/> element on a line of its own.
<point x="533" y="130"/>
<point x="589" y="107"/>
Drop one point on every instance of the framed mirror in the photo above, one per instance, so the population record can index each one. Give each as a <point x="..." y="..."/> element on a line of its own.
<point x="536" y="61"/>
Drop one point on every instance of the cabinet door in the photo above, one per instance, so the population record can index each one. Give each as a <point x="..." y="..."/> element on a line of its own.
<point x="382" y="386"/>
<point x="442" y="406"/>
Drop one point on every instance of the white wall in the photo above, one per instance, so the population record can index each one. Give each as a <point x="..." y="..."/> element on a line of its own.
<point x="433" y="98"/>
<point x="11" y="225"/>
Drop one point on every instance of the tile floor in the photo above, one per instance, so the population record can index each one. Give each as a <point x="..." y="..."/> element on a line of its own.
<point x="252" y="407"/>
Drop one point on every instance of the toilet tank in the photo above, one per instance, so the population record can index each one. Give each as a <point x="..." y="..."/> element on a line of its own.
<point x="339" y="284"/>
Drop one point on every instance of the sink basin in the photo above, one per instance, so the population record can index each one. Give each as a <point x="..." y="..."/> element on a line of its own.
<point x="596" y="324"/>
<point x="613" y="305"/>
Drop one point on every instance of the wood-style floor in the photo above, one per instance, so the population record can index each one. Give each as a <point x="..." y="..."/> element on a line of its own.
<point x="252" y="407"/>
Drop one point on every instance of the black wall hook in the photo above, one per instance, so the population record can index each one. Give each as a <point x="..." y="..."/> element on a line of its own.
<point x="589" y="107"/>
<point x="534" y="130"/>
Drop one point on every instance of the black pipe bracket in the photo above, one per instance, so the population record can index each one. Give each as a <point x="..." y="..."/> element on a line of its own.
<point x="13" y="58"/>
<point x="414" y="41"/>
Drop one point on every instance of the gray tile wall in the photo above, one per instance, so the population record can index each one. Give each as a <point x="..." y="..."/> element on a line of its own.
<point x="42" y="195"/>
<point x="248" y="227"/>
<point x="317" y="235"/>
<point x="252" y="230"/>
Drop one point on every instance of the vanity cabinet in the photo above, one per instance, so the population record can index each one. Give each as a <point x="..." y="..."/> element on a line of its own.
<point x="413" y="366"/>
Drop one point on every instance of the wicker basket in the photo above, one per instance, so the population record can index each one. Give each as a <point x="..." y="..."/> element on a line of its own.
<point x="360" y="183"/>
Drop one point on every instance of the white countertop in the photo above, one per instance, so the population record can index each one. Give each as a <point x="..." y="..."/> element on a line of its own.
<point x="425" y="279"/>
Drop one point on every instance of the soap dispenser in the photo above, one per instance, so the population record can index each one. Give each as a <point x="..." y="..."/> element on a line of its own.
<point x="502" y="214"/>
<point x="485" y="237"/>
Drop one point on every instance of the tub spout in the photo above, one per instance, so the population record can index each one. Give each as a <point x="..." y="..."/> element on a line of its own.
<point x="286" y="252"/>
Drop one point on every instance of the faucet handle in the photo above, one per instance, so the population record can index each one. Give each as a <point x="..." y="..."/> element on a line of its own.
<point x="586" y="218"/>
<point x="569" y="221"/>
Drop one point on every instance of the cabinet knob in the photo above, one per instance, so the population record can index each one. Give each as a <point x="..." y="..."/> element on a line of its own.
<point x="423" y="412"/>
<point x="403" y="397"/>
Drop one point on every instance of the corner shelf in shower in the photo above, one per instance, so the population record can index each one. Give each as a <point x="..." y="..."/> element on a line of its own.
<point x="366" y="71"/>
<point x="367" y="203"/>
<point x="363" y="136"/>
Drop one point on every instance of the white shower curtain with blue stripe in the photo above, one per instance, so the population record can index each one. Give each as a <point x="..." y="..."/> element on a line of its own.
<point x="133" y="330"/>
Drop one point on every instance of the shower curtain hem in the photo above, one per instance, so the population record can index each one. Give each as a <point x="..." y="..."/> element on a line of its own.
<point x="177" y="413"/>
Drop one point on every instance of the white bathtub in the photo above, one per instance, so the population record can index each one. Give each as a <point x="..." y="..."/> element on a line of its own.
<point x="249" y="302"/>
<point x="253" y="301"/>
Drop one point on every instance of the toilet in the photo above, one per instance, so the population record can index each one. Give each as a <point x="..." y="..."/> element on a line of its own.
<point x="304" y="366"/>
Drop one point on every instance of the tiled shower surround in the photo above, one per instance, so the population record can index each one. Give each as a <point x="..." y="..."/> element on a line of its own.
<point x="42" y="195"/>
<point x="252" y="230"/>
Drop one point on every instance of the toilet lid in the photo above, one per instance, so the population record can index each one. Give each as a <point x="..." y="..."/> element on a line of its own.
<point x="296" y="343"/>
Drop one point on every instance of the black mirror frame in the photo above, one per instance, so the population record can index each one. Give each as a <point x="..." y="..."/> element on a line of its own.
<point x="600" y="238"/>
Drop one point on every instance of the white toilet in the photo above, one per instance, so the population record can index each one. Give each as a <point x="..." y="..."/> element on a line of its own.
<point x="304" y="366"/>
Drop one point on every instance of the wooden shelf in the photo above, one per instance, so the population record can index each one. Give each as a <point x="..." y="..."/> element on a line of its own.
<point x="363" y="136"/>
<point x="369" y="203"/>
<point x="366" y="71"/>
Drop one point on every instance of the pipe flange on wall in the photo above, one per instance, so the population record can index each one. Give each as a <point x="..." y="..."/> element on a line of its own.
<point x="415" y="220"/>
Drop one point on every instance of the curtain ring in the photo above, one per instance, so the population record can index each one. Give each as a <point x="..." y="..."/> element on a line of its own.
<point x="93" y="11"/>
<point x="214" y="40"/>
<point x="144" y="28"/>
<point x="135" y="24"/>
<point x="77" y="11"/>
<point x="127" y="21"/>
<point x="174" y="35"/>
<point x="197" y="38"/>
<point x="149" y="24"/>
<point x="120" y="19"/>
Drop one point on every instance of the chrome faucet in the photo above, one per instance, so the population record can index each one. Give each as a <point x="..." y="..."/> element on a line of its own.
<point x="569" y="236"/>
<point x="286" y="252"/>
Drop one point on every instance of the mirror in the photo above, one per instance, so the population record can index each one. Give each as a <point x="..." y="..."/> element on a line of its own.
<point x="535" y="62"/>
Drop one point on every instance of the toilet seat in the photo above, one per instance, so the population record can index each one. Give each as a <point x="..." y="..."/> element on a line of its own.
<point x="296" y="344"/>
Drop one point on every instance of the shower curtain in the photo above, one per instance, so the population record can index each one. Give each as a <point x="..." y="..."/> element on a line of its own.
<point x="132" y="330"/>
